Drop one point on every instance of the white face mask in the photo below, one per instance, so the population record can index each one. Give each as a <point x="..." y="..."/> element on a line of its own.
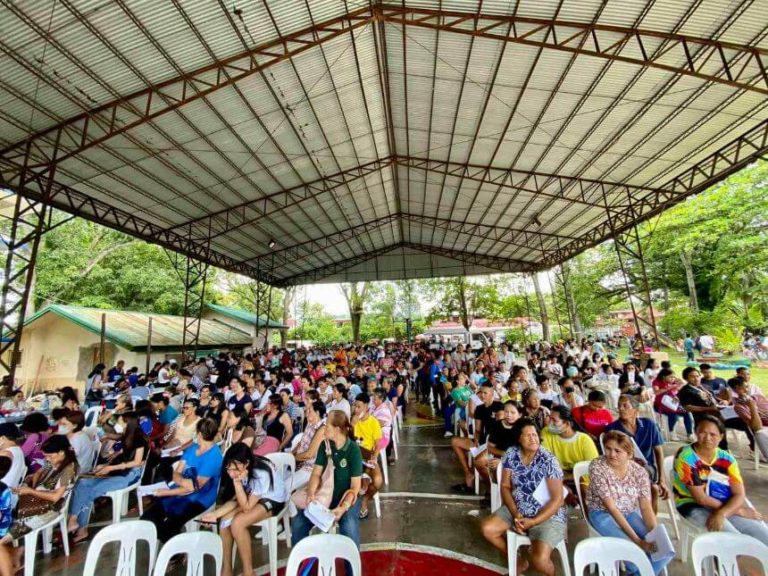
<point x="64" y="429"/>
<point x="119" y="428"/>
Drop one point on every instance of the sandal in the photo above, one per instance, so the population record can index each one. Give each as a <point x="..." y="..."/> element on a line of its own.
<point x="462" y="489"/>
<point x="364" y="514"/>
<point x="81" y="539"/>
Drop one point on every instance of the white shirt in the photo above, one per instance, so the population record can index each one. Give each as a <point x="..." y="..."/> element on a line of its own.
<point x="260" y="484"/>
<point x="13" y="477"/>
<point x="342" y="405"/>
<point x="508" y="357"/>
<point x="163" y="376"/>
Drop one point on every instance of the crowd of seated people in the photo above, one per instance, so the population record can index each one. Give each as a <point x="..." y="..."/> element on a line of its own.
<point x="204" y="432"/>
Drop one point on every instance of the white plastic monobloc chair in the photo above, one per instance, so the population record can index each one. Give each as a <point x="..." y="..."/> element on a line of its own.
<point x="384" y="467"/>
<point x="581" y="469"/>
<point x="515" y="541"/>
<point x="687" y="529"/>
<point x="326" y="548"/>
<point x="196" y="546"/>
<point x="119" y="498"/>
<point x="725" y="548"/>
<point x="128" y="534"/>
<point x="92" y="416"/>
<point x="285" y="465"/>
<point x="30" y="539"/>
<point x="608" y="554"/>
<point x="496" y="502"/>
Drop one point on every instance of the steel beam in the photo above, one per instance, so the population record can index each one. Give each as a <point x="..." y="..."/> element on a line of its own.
<point x="21" y="244"/>
<point x="336" y="267"/>
<point x="96" y="126"/>
<point x="713" y="61"/>
<point x="551" y="186"/>
<point x="475" y="259"/>
<point x="177" y="239"/>
<point x="232" y="218"/>
<point x="729" y="159"/>
<point x="194" y="303"/>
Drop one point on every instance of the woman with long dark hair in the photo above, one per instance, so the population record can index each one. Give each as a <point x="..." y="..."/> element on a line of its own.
<point x="119" y="470"/>
<point x="277" y="424"/>
<point x="93" y="382"/>
<point x="254" y="490"/>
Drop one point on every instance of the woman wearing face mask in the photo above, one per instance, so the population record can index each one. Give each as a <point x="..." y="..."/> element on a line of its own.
<point x="619" y="496"/>
<point x="632" y="382"/>
<point x="562" y="438"/>
<point x="253" y="490"/>
<point x="121" y="469"/>
<point x="42" y="499"/>
<point x="109" y="418"/>
<point x="71" y="425"/>
<point x="569" y="395"/>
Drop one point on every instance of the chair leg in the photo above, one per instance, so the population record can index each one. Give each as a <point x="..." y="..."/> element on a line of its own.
<point x="272" y="539"/>
<point x="477" y="482"/>
<point x="383" y="458"/>
<point x="30" y="551"/>
<point x="377" y="504"/>
<point x="512" y="553"/>
<point x="673" y="517"/>
<point x="287" y="529"/>
<point x="140" y="502"/>
<point x="124" y="499"/>
<point x="47" y="540"/>
<point x="64" y="535"/>
<point x="563" y="552"/>
<point x="117" y="505"/>
<point x="685" y="543"/>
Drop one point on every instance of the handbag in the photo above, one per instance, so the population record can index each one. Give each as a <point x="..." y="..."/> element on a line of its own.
<point x="324" y="493"/>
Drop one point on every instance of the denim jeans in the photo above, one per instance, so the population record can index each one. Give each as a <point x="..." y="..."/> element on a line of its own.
<point x="738" y="524"/>
<point x="603" y="522"/>
<point x="687" y="420"/>
<point x="448" y="410"/>
<point x="349" y="524"/>
<point x="88" y="489"/>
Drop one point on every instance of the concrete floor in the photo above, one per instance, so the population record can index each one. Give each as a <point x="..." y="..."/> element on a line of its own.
<point x="421" y="510"/>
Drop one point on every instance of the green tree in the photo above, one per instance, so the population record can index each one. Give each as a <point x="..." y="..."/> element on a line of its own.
<point x="356" y="294"/>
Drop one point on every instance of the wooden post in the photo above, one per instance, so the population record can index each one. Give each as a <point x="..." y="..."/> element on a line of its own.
<point x="149" y="346"/>
<point x="103" y="338"/>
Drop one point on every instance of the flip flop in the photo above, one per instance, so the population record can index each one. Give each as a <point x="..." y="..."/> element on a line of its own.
<point x="364" y="514"/>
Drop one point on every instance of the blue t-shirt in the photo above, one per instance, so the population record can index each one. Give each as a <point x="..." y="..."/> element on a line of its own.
<point x="168" y="415"/>
<point x="206" y="465"/>
<point x="647" y="436"/>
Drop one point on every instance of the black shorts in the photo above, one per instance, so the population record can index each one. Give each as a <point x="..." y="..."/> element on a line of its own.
<point x="271" y="506"/>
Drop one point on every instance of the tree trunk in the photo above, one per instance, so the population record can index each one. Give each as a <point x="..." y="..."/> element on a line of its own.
<point x="461" y="287"/>
<point x="288" y="295"/>
<point x="685" y="258"/>
<point x="356" y="316"/>
<point x="573" y="312"/>
<point x="355" y="302"/>
<point x="542" y="307"/>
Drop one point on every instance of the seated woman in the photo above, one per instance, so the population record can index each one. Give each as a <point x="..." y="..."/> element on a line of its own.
<point x="71" y="424"/>
<point x="619" y="496"/>
<point x="665" y="387"/>
<point x="37" y="431"/>
<point x="239" y="397"/>
<point x="122" y="468"/>
<point x="533" y="409"/>
<point x="593" y="417"/>
<point x="109" y="418"/>
<point x="206" y="395"/>
<point x="569" y="394"/>
<point x="194" y="485"/>
<point x="178" y="437"/>
<point x="708" y="487"/>
<point x="278" y="427"/>
<point x="566" y="442"/>
<point x="239" y="424"/>
<point x="43" y="498"/>
<point x="500" y="439"/>
<point x="368" y="434"/>
<point x="632" y="382"/>
<point x="253" y="490"/>
<point x="305" y="451"/>
<point x="16" y="402"/>
<point x="526" y="466"/>
<point x="347" y="480"/>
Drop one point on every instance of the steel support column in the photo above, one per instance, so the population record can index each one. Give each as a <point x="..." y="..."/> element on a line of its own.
<point x="21" y="243"/>
<point x="194" y="302"/>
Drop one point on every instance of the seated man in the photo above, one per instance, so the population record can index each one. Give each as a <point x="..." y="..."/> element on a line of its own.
<point x="593" y="417"/>
<point x="484" y="416"/>
<point x="753" y="411"/>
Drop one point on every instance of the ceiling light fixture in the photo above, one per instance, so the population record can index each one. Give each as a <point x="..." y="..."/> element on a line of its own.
<point x="536" y="221"/>
<point x="271" y="243"/>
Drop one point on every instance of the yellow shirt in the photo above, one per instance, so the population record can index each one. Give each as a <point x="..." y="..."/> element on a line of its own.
<point x="369" y="431"/>
<point x="571" y="450"/>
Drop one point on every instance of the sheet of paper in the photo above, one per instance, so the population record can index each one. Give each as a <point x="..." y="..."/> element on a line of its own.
<point x="664" y="547"/>
<point x="151" y="489"/>
<point x="475" y="451"/>
<point x="542" y="495"/>
<point x="728" y="412"/>
<point x="320" y="516"/>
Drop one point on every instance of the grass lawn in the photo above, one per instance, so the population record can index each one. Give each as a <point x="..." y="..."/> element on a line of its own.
<point x="759" y="375"/>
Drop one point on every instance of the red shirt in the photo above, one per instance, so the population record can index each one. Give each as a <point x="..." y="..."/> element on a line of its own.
<point x="593" y="422"/>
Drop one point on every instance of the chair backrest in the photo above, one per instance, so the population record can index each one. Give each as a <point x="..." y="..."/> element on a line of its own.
<point x="128" y="534"/>
<point x="283" y="461"/>
<point x="608" y="553"/>
<point x="669" y="467"/>
<point x="196" y="546"/>
<point x="92" y="416"/>
<point x="581" y="469"/>
<point x="726" y="547"/>
<point x="326" y="548"/>
<point x="96" y="453"/>
<point x="296" y="440"/>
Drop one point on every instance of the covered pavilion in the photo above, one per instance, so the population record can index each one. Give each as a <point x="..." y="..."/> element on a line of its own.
<point x="328" y="141"/>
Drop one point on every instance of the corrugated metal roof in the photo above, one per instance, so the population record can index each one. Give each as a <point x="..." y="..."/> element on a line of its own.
<point x="129" y="329"/>
<point x="243" y="316"/>
<point x="433" y="89"/>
